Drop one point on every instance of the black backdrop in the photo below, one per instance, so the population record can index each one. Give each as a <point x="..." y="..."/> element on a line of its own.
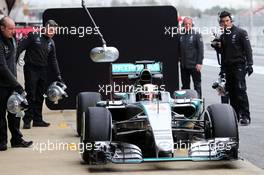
<point x="137" y="32"/>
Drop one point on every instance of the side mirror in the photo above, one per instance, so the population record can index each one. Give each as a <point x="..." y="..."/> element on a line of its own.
<point x="104" y="54"/>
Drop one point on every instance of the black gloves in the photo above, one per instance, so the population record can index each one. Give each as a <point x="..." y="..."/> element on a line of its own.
<point x="19" y="89"/>
<point x="216" y="44"/>
<point x="249" y="70"/>
<point x="59" y="78"/>
<point x="222" y="72"/>
<point x="25" y="105"/>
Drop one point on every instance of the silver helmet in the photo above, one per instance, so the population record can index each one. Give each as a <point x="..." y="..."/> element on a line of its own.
<point x="17" y="103"/>
<point x="56" y="92"/>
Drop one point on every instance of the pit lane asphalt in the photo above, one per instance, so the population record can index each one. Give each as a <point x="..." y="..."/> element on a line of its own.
<point x="46" y="156"/>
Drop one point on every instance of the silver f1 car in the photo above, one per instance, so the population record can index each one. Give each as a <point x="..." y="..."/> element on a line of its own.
<point x="147" y="124"/>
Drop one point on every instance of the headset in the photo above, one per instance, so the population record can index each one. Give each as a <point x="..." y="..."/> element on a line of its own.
<point x="187" y="17"/>
<point x="2" y="20"/>
<point x="226" y="14"/>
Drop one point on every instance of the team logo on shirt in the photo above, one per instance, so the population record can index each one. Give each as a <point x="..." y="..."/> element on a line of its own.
<point x="7" y="50"/>
<point x="49" y="46"/>
<point x="191" y="39"/>
<point x="234" y="38"/>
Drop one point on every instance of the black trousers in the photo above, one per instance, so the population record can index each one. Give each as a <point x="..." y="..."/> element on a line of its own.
<point x="186" y="75"/>
<point x="35" y="86"/>
<point x="13" y="121"/>
<point x="237" y="88"/>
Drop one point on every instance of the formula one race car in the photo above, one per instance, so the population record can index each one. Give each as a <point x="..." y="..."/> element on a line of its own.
<point x="147" y="124"/>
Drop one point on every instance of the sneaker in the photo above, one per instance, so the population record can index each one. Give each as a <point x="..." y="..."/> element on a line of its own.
<point x="244" y="122"/>
<point x="3" y="147"/>
<point x="26" y="126"/>
<point x="22" y="144"/>
<point x="41" y="124"/>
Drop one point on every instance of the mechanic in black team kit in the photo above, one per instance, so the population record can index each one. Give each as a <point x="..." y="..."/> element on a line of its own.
<point x="236" y="55"/>
<point x="191" y="51"/>
<point x="8" y="84"/>
<point x="40" y="51"/>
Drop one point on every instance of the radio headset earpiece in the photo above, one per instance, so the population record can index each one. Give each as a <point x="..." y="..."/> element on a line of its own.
<point x="182" y="25"/>
<point x="2" y="21"/>
<point x="224" y="14"/>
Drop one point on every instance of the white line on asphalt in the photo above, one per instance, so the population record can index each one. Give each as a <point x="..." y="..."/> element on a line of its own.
<point x="213" y="63"/>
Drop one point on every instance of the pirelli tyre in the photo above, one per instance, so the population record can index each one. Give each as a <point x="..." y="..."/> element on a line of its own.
<point x="185" y="94"/>
<point x="97" y="126"/>
<point x="221" y="121"/>
<point x="85" y="100"/>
